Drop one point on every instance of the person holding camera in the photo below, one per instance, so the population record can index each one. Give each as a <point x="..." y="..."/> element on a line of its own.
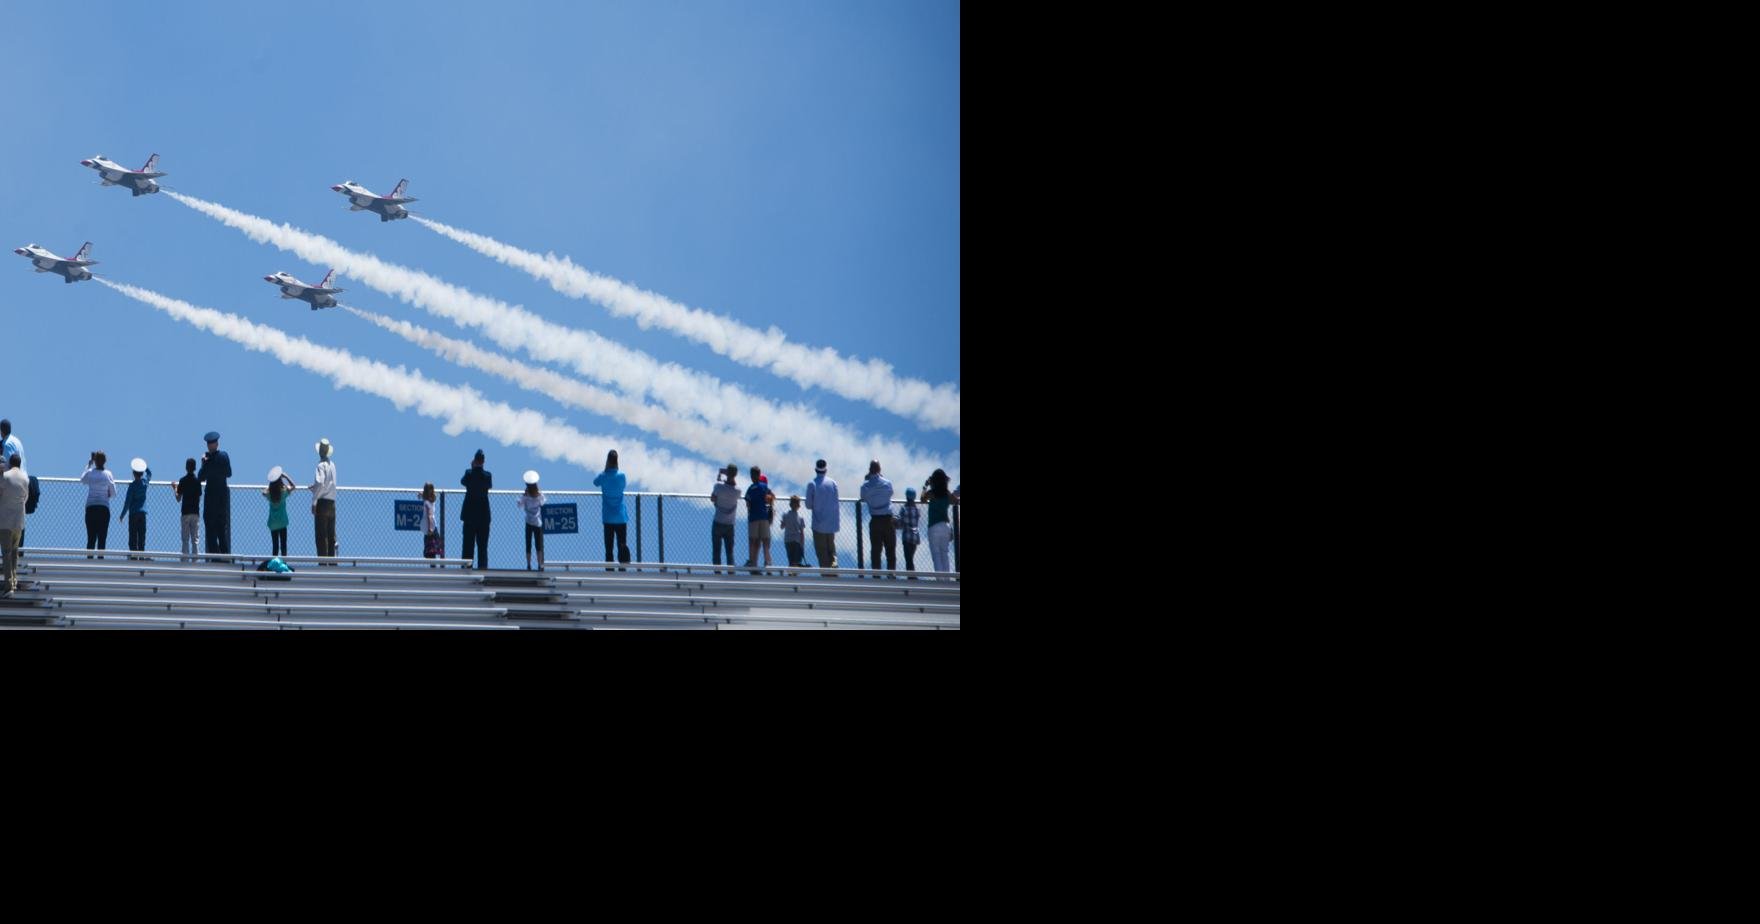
<point x="475" y="513"/>
<point x="612" y="515"/>
<point x="217" y="511"/>
<point x="725" y="496"/>
<point x="938" y="498"/>
<point x="100" y="487"/>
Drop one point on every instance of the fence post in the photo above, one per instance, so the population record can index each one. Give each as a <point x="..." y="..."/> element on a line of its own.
<point x="638" y="527"/>
<point x="861" y="560"/>
<point x="660" y="523"/>
<point x="442" y="524"/>
<point x="955" y="508"/>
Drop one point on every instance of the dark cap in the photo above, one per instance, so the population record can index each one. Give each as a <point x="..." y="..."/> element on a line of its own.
<point x="820" y="467"/>
<point x="479" y="455"/>
<point x="213" y="436"/>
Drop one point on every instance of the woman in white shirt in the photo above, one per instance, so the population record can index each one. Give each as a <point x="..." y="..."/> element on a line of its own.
<point x="430" y="529"/>
<point x="532" y="504"/>
<point x="100" y="487"/>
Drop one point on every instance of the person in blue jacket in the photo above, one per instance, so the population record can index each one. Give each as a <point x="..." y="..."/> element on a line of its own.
<point x="134" y="506"/>
<point x="611" y="512"/>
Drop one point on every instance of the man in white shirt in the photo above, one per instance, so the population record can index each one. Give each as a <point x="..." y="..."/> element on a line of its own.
<point x="15" y="487"/>
<point x="324" y="501"/>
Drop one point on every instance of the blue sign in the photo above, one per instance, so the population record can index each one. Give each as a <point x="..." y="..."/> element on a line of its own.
<point x="560" y="518"/>
<point x="408" y="514"/>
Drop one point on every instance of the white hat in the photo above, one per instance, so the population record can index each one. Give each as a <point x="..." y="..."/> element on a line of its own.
<point x="139" y="464"/>
<point x="322" y="445"/>
<point x="275" y="473"/>
<point x="531" y="477"/>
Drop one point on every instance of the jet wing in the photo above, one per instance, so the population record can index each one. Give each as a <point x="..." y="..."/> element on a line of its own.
<point x="326" y="291"/>
<point x="396" y="200"/>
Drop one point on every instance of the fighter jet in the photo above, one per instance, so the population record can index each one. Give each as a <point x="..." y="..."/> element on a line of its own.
<point x="317" y="296"/>
<point x="114" y="174"/>
<point x="361" y="199"/>
<point x="72" y="270"/>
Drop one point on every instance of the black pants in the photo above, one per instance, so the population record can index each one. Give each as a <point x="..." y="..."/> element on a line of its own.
<point x="137" y="531"/>
<point x="97" y="526"/>
<point x="881" y="534"/>
<point x="618" y="532"/>
<point x="278" y="541"/>
<point x="534" y="534"/>
<point x="720" y="534"/>
<point x="797" y="556"/>
<point x="217" y="523"/>
<point x="324" y="527"/>
<point x="910" y="556"/>
<point x="476" y="536"/>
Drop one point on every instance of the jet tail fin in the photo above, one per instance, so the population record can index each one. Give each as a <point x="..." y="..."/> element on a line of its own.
<point x="326" y="283"/>
<point x="151" y="163"/>
<point x="398" y="192"/>
<point x="84" y="250"/>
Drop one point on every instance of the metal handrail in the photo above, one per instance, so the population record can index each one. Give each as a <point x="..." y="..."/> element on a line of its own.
<point x="243" y="485"/>
<point x="209" y="557"/>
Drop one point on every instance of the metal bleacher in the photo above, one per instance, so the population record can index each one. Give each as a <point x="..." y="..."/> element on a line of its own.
<point x="66" y="589"/>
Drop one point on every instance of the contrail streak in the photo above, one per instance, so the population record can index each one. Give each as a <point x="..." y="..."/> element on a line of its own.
<point x="872" y="380"/>
<point x="461" y="408"/>
<point x="792" y="428"/>
<point x="697" y="437"/>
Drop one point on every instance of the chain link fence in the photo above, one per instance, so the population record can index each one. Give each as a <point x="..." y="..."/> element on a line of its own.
<point x="662" y="527"/>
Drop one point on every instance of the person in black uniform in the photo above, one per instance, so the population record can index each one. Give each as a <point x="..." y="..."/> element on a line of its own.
<point x="217" y="512"/>
<point x="477" y="481"/>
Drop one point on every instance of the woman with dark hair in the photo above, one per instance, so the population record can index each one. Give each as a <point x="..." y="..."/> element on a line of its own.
<point x="100" y="487"/>
<point x="279" y="484"/>
<point x="611" y="512"/>
<point x="431" y="547"/>
<point x="937" y="497"/>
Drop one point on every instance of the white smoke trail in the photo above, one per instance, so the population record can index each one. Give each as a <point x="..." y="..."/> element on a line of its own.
<point x="461" y="408"/>
<point x="787" y="427"/>
<point x="872" y="381"/>
<point x="697" y="437"/>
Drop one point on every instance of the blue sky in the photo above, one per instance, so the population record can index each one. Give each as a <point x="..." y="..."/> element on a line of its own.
<point x="784" y="163"/>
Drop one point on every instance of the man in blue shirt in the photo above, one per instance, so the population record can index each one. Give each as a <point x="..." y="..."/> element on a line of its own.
<point x="9" y="445"/>
<point x="217" y="509"/>
<point x="822" y="500"/>
<point x="611" y="513"/>
<point x="759" y="503"/>
<point x="877" y="494"/>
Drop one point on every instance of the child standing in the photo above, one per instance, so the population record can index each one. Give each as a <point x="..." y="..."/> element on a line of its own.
<point x="430" y="527"/>
<point x="279" y="485"/>
<point x="134" y="506"/>
<point x="910" y="516"/>
<point x="794" y="532"/>
<point x="532" y="504"/>
<point x="189" y="492"/>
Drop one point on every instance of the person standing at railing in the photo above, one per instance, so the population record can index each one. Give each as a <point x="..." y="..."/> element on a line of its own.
<point x="531" y="503"/>
<point x="9" y="445"/>
<point x="910" y="516"/>
<point x="725" y="496"/>
<point x="611" y="512"/>
<point x="477" y="482"/>
<point x="794" y="533"/>
<point x="324" y="501"/>
<point x="760" y="510"/>
<point x="822" y="500"/>
<point x="431" y="546"/>
<point x="280" y="485"/>
<point x="15" y="488"/>
<point x="877" y="494"/>
<point x="188" y="491"/>
<point x="217" y="512"/>
<point x="937" y="496"/>
<point x="134" y="505"/>
<point x="100" y="487"/>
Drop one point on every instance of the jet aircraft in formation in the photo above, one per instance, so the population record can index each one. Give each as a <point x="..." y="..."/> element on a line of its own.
<point x="141" y="183"/>
<point x="70" y="270"/>
<point x="362" y="199"/>
<point x="114" y="174"/>
<point x="317" y="296"/>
